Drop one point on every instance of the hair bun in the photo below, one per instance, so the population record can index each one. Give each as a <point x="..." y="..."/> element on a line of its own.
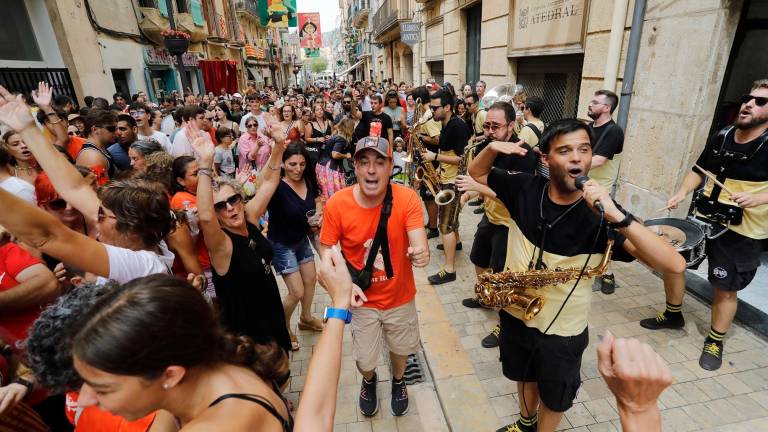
<point x="269" y="361"/>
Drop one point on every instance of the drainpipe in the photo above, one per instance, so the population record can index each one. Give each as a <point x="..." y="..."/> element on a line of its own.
<point x="633" y="50"/>
<point x="614" y="45"/>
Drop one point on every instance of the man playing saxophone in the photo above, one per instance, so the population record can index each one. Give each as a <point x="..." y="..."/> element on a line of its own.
<point x="453" y="139"/>
<point x="555" y="225"/>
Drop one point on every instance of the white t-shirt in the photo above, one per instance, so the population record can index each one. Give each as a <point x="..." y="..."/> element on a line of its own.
<point x="126" y="265"/>
<point x="168" y="125"/>
<point x="161" y="139"/>
<point x="20" y="188"/>
<point x="181" y="145"/>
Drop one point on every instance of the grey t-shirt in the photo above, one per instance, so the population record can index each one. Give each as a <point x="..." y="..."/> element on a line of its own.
<point x="226" y="159"/>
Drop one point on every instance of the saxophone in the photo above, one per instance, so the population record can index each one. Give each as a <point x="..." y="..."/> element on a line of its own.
<point x="424" y="171"/>
<point x="510" y="289"/>
<point x="446" y="196"/>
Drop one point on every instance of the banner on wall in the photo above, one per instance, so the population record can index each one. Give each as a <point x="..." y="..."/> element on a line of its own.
<point x="310" y="34"/>
<point x="311" y="52"/>
<point x="277" y="13"/>
<point x="547" y="27"/>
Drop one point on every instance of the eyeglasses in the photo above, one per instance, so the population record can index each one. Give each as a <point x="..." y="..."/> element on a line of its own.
<point x="594" y="102"/>
<point x="136" y="113"/>
<point x="231" y="201"/>
<point x="493" y="127"/>
<point x="57" y="204"/>
<point x="103" y="215"/>
<point x="759" y="101"/>
<point x="434" y="108"/>
<point x="110" y="128"/>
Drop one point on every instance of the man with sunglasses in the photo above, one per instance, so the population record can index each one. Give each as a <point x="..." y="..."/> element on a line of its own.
<point x="453" y="138"/>
<point x="100" y="126"/>
<point x="738" y="156"/>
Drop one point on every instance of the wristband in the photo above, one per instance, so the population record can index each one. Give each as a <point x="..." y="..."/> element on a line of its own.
<point x="205" y="172"/>
<point x="342" y="314"/>
<point x="628" y="219"/>
<point x="23" y="382"/>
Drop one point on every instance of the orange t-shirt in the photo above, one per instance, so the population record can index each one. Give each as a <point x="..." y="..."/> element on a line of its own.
<point x="177" y="203"/>
<point x="347" y="223"/>
<point x="94" y="419"/>
<point x="74" y="146"/>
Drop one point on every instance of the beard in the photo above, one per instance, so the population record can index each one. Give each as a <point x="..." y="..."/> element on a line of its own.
<point x="592" y="115"/>
<point x="750" y="122"/>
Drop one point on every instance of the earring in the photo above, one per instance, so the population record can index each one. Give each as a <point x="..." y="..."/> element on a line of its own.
<point x="166" y="386"/>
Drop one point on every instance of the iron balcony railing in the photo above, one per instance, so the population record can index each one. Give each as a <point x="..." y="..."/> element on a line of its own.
<point x="249" y="6"/>
<point x="389" y="14"/>
<point x="24" y="80"/>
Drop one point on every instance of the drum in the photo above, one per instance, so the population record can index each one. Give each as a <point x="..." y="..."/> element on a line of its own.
<point x="687" y="237"/>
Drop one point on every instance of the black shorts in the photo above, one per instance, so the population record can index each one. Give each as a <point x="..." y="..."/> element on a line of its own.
<point x="552" y="362"/>
<point x="733" y="260"/>
<point x="489" y="250"/>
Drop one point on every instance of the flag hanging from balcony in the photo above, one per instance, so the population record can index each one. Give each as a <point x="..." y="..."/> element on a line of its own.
<point x="277" y="13"/>
<point x="310" y="34"/>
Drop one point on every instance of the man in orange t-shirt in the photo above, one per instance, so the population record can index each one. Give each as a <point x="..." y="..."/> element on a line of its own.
<point x="351" y="217"/>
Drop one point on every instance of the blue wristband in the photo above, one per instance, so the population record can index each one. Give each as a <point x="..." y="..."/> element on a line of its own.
<point x="342" y="314"/>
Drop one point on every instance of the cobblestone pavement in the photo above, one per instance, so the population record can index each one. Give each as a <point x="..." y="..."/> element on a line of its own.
<point x="465" y="389"/>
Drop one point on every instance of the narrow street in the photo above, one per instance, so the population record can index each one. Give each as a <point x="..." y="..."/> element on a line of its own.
<point x="465" y="390"/>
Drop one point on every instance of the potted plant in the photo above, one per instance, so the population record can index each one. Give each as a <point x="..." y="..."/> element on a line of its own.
<point x="176" y="41"/>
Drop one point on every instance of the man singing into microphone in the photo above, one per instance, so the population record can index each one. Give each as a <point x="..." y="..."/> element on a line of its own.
<point x="557" y="226"/>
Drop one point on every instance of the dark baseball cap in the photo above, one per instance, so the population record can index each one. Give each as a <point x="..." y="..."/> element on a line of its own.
<point x="379" y="144"/>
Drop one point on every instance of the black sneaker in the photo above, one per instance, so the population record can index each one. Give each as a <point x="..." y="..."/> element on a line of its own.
<point x="399" y="398"/>
<point x="607" y="284"/>
<point x="517" y="427"/>
<point x="478" y="210"/>
<point x="475" y="203"/>
<point x="432" y="233"/>
<point x="458" y="246"/>
<point x="471" y="303"/>
<point x="711" y="356"/>
<point x="662" y="321"/>
<point x="369" y="403"/>
<point x="492" y="340"/>
<point x="442" y="277"/>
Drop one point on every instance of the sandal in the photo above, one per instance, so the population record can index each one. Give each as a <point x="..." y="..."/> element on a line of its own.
<point x="294" y="342"/>
<point x="313" y="324"/>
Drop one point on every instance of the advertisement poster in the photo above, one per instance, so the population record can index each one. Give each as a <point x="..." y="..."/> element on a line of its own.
<point x="310" y="34"/>
<point x="277" y="13"/>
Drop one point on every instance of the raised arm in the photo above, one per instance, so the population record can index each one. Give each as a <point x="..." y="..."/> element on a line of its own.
<point x="269" y="178"/>
<point x="44" y="232"/>
<point x="218" y="243"/>
<point x="481" y="165"/>
<point x="65" y="178"/>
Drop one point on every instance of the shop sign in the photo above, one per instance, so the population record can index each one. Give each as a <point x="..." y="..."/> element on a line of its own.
<point x="160" y="57"/>
<point x="409" y="33"/>
<point x="542" y="27"/>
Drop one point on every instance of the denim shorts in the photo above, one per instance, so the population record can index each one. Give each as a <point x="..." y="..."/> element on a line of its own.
<point x="288" y="258"/>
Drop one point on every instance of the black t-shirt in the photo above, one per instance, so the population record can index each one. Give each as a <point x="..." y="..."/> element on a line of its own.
<point x="454" y="136"/>
<point x="521" y="194"/>
<point x="720" y="145"/>
<point x="609" y="145"/>
<point x="288" y="214"/>
<point x="363" y="128"/>
<point x="526" y="164"/>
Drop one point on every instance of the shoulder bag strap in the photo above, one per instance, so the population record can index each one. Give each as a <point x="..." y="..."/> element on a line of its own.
<point x="380" y="239"/>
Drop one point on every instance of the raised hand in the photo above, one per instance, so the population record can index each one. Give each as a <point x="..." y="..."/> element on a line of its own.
<point x="204" y="149"/>
<point x="14" y="112"/>
<point x="509" y="148"/>
<point x="43" y="95"/>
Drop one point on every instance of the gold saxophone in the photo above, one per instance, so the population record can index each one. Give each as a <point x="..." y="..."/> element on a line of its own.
<point x="511" y="289"/>
<point x="446" y="196"/>
<point x="423" y="172"/>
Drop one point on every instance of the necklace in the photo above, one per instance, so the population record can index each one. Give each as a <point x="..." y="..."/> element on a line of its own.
<point x="545" y="226"/>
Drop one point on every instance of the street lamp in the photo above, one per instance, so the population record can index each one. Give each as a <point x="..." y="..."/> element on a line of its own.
<point x="296" y="69"/>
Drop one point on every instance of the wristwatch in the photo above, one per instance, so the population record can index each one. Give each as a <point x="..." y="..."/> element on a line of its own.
<point x="23" y="382"/>
<point x="342" y="314"/>
<point x="628" y="218"/>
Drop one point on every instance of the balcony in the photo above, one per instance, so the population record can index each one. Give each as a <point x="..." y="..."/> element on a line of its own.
<point x="248" y="8"/>
<point x="386" y="21"/>
<point x="189" y="18"/>
<point x="360" y="12"/>
<point x="154" y="18"/>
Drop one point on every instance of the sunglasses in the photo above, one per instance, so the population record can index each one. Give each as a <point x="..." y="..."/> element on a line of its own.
<point x="57" y="204"/>
<point x="493" y="127"/>
<point x="71" y="133"/>
<point x="231" y="201"/>
<point x="434" y="108"/>
<point x="252" y="125"/>
<point x="103" y="215"/>
<point x="759" y="101"/>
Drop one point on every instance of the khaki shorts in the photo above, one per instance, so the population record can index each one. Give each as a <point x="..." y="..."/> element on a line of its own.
<point x="399" y="327"/>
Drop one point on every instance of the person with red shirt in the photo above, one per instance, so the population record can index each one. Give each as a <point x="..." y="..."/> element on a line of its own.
<point x="389" y="313"/>
<point x="25" y="285"/>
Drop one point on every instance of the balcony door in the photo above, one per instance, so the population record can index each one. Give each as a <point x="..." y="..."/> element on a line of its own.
<point x="474" y="16"/>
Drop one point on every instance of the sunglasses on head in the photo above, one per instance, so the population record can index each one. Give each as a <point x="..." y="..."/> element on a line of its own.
<point x="232" y="201"/>
<point x="759" y="101"/>
<point x="57" y="204"/>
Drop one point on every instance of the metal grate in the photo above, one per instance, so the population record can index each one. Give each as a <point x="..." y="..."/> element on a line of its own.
<point x="24" y="80"/>
<point x="556" y="79"/>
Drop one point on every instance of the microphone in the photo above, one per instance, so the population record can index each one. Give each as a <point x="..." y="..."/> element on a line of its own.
<point x="579" y="182"/>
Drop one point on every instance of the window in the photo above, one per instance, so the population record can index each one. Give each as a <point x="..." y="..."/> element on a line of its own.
<point x="17" y="37"/>
<point x="182" y="6"/>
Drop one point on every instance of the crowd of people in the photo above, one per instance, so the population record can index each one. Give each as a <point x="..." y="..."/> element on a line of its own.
<point x="140" y="242"/>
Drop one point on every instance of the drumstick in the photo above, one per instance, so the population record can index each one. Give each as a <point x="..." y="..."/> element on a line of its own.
<point x="664" y="208"/>
<point x="713" y="178"/>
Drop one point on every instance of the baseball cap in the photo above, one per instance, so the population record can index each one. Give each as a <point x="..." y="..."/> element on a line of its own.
<point x="238" y="95"/>
<point x="379" y="144"/>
